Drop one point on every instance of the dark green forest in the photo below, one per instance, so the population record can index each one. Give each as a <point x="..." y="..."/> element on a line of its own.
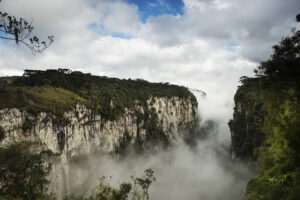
<point x="266" y="123"/>
<point x="59" y="90"/>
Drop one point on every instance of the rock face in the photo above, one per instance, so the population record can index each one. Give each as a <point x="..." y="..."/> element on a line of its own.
<point x="83" y="132"/>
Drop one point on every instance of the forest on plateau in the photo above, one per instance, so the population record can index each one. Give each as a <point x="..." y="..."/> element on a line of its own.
<point x="57" y="91"/>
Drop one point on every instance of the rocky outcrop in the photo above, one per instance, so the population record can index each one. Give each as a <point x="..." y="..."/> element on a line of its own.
<point x="82" y="132"/>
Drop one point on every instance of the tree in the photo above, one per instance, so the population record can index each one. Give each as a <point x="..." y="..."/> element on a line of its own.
<point x="144" y="182"/>
<point x="20" y="31"/>
<point x="285" y="59"/>
<point x="23" y="174"/>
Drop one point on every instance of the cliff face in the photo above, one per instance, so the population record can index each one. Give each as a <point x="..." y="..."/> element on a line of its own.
<point x="82" y="132"/>
<point x="246" y="125"/>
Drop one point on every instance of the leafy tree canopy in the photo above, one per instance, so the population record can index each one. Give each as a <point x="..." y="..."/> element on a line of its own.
<point x="285" y="61"/>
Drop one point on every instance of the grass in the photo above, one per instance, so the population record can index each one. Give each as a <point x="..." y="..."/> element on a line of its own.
<point x="39" y="99"/>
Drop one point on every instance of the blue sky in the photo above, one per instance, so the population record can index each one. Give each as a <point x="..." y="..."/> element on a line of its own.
<point x="101" y="30"/>
<point x="149" y="8"/>
<point x="231" y="46"/>
<point x="146" y="9"/>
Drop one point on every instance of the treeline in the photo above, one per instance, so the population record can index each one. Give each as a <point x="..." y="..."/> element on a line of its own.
<point x="107" y="96"/>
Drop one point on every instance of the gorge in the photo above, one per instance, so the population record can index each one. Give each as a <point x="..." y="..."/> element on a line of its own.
<point x="98" y="126"/>
<point x="158" y="127"/>
<point x="149" y="100"/>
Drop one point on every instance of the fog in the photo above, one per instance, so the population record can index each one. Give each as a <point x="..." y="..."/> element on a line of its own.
<point x="204" y="171"/>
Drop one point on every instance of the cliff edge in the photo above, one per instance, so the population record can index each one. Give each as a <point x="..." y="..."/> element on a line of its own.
<point x="265" y="125"/>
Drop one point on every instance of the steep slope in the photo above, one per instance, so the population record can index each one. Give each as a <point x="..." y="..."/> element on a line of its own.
<point x="265" y="126"/>
<point x="158" y="122"/>
<point x="61" y="110"/>
<point x="75" y="114"/>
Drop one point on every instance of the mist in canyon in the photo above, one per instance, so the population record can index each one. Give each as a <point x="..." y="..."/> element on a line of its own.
<point x="203" y="171"/>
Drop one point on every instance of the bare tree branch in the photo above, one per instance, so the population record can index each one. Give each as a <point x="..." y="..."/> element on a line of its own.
<point x="20" y="30"/>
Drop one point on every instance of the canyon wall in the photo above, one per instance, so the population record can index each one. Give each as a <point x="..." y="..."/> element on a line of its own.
<point x="81" y="132"/>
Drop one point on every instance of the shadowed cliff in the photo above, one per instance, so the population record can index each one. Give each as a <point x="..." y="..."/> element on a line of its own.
<point x="265" y="125"/>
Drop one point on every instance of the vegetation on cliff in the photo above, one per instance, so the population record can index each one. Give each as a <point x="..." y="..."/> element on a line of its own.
<point x="59" y="90"/>
<point x="266" y="122"/>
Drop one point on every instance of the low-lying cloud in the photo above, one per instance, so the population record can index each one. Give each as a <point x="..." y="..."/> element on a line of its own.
<point x="204" y="171"/>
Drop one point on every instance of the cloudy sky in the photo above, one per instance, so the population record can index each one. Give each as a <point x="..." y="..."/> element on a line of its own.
<point x="201" y="44"/>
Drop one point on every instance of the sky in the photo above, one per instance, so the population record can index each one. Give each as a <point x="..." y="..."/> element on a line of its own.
<point x="200" y="44"/>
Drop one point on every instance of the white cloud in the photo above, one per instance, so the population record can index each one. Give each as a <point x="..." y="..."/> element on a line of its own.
<point x="118" y="16"/>
<point x="222" y="4"/>
<point x="188" y="50"/>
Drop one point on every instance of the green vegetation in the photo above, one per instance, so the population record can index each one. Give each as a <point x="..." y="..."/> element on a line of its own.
<point x="2" y="133"/>
<point x="137" y="189"/>
<point x="266" y="122"/>
<point x="247" y="121"/>
<point x="59" y="90"/>
<point x="38" y="99"/>
<point x="23" y="173"/>
<point x="27" y="125"/>
<point x="155" y="135"/>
